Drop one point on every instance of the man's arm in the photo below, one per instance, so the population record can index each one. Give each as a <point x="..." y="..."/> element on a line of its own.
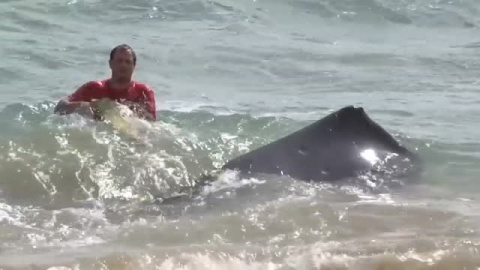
<point x="78" y="102"/>
<point x="67" y="107"/>
<point x="147" y="108"/>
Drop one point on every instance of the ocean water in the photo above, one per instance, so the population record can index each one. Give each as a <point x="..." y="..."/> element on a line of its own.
<point x="230" y="76"/>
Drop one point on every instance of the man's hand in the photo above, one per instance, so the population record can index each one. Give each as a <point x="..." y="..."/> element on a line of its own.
<point x="85" y="109"/>
<point x="80" y="107"/>
<point x="139" y="110"/>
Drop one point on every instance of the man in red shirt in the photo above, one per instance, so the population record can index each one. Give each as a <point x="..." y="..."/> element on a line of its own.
<point x="139" y="97"/>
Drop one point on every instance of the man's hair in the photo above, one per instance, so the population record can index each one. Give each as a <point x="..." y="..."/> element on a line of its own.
<point x="123" y="46"/>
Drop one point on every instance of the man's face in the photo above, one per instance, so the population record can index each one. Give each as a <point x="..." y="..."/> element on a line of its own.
<point x="122" y="64"/>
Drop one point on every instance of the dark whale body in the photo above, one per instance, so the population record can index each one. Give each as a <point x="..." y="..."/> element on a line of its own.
<point x="345" y="143"/>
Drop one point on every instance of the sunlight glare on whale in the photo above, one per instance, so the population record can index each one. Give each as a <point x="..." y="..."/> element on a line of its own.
<point x="370" y="155"/>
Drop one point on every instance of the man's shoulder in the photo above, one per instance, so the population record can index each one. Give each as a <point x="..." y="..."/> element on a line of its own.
<point x="94" y="84"/>
<point x="87" y="91"/>
<point x="140" y="86"/>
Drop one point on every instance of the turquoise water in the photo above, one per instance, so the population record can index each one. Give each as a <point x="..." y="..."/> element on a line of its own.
<point x="230" y="76"/>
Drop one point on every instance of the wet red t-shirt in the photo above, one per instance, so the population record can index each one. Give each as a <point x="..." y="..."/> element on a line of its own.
<point x="138" y="93"/>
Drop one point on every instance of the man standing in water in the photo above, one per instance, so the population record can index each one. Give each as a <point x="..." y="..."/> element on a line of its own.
<point x="139" y="97"/>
